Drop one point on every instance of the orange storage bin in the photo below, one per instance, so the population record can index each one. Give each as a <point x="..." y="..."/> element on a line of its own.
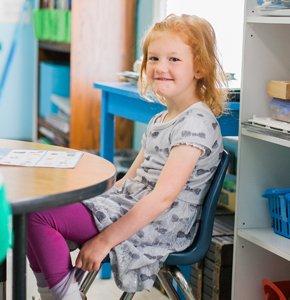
<point x="279" y="290"/>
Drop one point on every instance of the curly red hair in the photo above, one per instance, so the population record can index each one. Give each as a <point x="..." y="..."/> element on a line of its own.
<point x="197" y="33"/>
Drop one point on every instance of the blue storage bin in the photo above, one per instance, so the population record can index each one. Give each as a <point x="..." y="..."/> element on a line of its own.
<point x="229" y="122"/>
<point x="279" y="206"/>
<point x="54" y="79"/>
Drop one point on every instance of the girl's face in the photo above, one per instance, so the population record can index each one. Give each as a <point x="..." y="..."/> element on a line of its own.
<point x="169" y="68"/>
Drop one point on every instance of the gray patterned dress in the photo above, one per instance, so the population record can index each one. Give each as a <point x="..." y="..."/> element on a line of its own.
<point x="136" y="261"/>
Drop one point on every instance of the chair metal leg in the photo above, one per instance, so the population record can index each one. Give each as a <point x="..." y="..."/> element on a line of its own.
<point x="87" y="281"/>
<point x="181" y="281"/>
<point x="127" y="296"/>
<point x="174" y="273"/>
<point x="163" y="276"/>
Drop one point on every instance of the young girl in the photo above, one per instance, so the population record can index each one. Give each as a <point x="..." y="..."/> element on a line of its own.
<point x="153" y="210"/>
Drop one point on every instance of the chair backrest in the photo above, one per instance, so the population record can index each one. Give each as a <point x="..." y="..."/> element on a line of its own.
<point x="197" y="250"/>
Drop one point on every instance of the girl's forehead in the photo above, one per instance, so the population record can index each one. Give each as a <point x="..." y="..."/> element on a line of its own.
<point x="163" y="35"/>
<point x="167" y="40"/>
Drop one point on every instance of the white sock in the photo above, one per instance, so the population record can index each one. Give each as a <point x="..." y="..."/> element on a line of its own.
<point x="67" y="288"/>
<point x="45" y="293"/>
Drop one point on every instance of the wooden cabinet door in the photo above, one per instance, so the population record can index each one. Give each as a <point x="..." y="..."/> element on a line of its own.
<point x="103" y="44"/>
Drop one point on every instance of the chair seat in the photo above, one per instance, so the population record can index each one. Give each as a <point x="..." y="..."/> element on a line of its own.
<point x="185" y="257"/>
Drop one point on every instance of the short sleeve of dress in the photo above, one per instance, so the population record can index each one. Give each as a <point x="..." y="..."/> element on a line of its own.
<point x="197" y="130"/>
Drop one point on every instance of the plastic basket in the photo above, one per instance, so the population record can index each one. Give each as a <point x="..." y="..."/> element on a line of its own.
<point x="279" y="207"/>
<point x="279" y="290"/>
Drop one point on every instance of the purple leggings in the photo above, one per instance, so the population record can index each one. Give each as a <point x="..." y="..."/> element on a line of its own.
<point x="48" y="231"/>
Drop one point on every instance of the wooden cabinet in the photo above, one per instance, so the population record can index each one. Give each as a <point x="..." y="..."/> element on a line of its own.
<point x="103" y="44"/>
<point x="264" y="159"/>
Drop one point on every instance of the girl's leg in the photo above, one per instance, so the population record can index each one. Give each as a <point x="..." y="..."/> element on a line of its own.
<point x="48" y="231"/>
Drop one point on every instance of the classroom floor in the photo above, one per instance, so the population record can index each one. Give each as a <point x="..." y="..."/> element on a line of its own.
<point x="100" y="289"/>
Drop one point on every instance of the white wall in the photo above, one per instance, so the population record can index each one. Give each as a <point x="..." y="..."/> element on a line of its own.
<point x="226" y="17"/>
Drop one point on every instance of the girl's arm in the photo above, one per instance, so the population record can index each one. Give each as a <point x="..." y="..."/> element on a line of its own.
<point x="131" y="173"/>
<point x="177" y="170"/>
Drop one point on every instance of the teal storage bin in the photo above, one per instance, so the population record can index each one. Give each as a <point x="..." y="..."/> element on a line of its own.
<point x="5" y="222"/>
<point x="54" y="79"/>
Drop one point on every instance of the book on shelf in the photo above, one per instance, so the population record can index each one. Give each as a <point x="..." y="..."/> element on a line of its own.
<point x="58" y="4"/>
<point x="62" y="103"/>
<point x="56" y="136"/>
<point x="58" y="122"/>
<point x="273" y="10"/>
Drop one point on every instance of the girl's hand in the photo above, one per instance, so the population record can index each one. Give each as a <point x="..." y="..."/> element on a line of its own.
<point x="92" y="254"/>
<point x="119" y="184"/>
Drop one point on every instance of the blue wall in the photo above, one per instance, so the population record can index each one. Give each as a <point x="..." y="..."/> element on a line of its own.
<point x="143" y="22"/>
<point x="17" y="102"/>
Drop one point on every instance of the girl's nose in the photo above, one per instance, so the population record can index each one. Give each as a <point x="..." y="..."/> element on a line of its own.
<point x="161" y="66"/>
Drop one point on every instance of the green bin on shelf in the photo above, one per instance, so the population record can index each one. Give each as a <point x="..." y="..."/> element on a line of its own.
<point x="52" y="25"/>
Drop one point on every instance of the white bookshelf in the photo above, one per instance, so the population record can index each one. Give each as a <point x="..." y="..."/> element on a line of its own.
<point x="264" y="160"/>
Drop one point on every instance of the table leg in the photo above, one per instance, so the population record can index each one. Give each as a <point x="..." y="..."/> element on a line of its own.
<point x="107" y="134"/>
<point x="19" y="258"/>
<point x="107" y="144"/>
<point x="3" y="280"/>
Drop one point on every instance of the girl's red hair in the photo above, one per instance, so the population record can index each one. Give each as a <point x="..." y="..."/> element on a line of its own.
<point x="200" y="36"/>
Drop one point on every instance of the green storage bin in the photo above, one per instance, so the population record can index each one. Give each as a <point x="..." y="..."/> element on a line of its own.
<point x="52" y="25"/>
<point x="5" y="222"/>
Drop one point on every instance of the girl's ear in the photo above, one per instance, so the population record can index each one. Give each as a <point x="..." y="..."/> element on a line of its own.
<point x="198" y="75"/>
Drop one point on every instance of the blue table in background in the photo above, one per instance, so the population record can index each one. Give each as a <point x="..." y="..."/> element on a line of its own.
<point x="123" y="100"/>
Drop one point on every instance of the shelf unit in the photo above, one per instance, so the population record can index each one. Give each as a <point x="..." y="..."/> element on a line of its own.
<point x="263" y="159"/>
<point x="50" y="52"/>
<point x="97" y="53"/>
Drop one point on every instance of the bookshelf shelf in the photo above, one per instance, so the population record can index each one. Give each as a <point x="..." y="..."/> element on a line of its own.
<point x="268" y="20"/>
<point x="267" y="239"/>
<point x="53" y="46"/>
<point x="265" y="137"/>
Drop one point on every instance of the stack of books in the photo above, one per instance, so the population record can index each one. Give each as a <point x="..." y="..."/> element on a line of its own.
<point x="273" y="8"/>
<point x="54" y="129"/>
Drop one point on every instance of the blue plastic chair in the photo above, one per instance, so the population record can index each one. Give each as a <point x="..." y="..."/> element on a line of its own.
<point x="194" y="253"/>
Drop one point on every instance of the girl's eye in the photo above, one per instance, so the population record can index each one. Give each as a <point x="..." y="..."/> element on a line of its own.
<point x="152" y="58"/>
<point x="174" y="59"/>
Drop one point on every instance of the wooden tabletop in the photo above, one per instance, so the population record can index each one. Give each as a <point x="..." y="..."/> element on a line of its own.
<point x="34" y="188"/>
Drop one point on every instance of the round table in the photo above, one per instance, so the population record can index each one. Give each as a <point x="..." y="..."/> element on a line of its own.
<point x="34" y="188"/>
